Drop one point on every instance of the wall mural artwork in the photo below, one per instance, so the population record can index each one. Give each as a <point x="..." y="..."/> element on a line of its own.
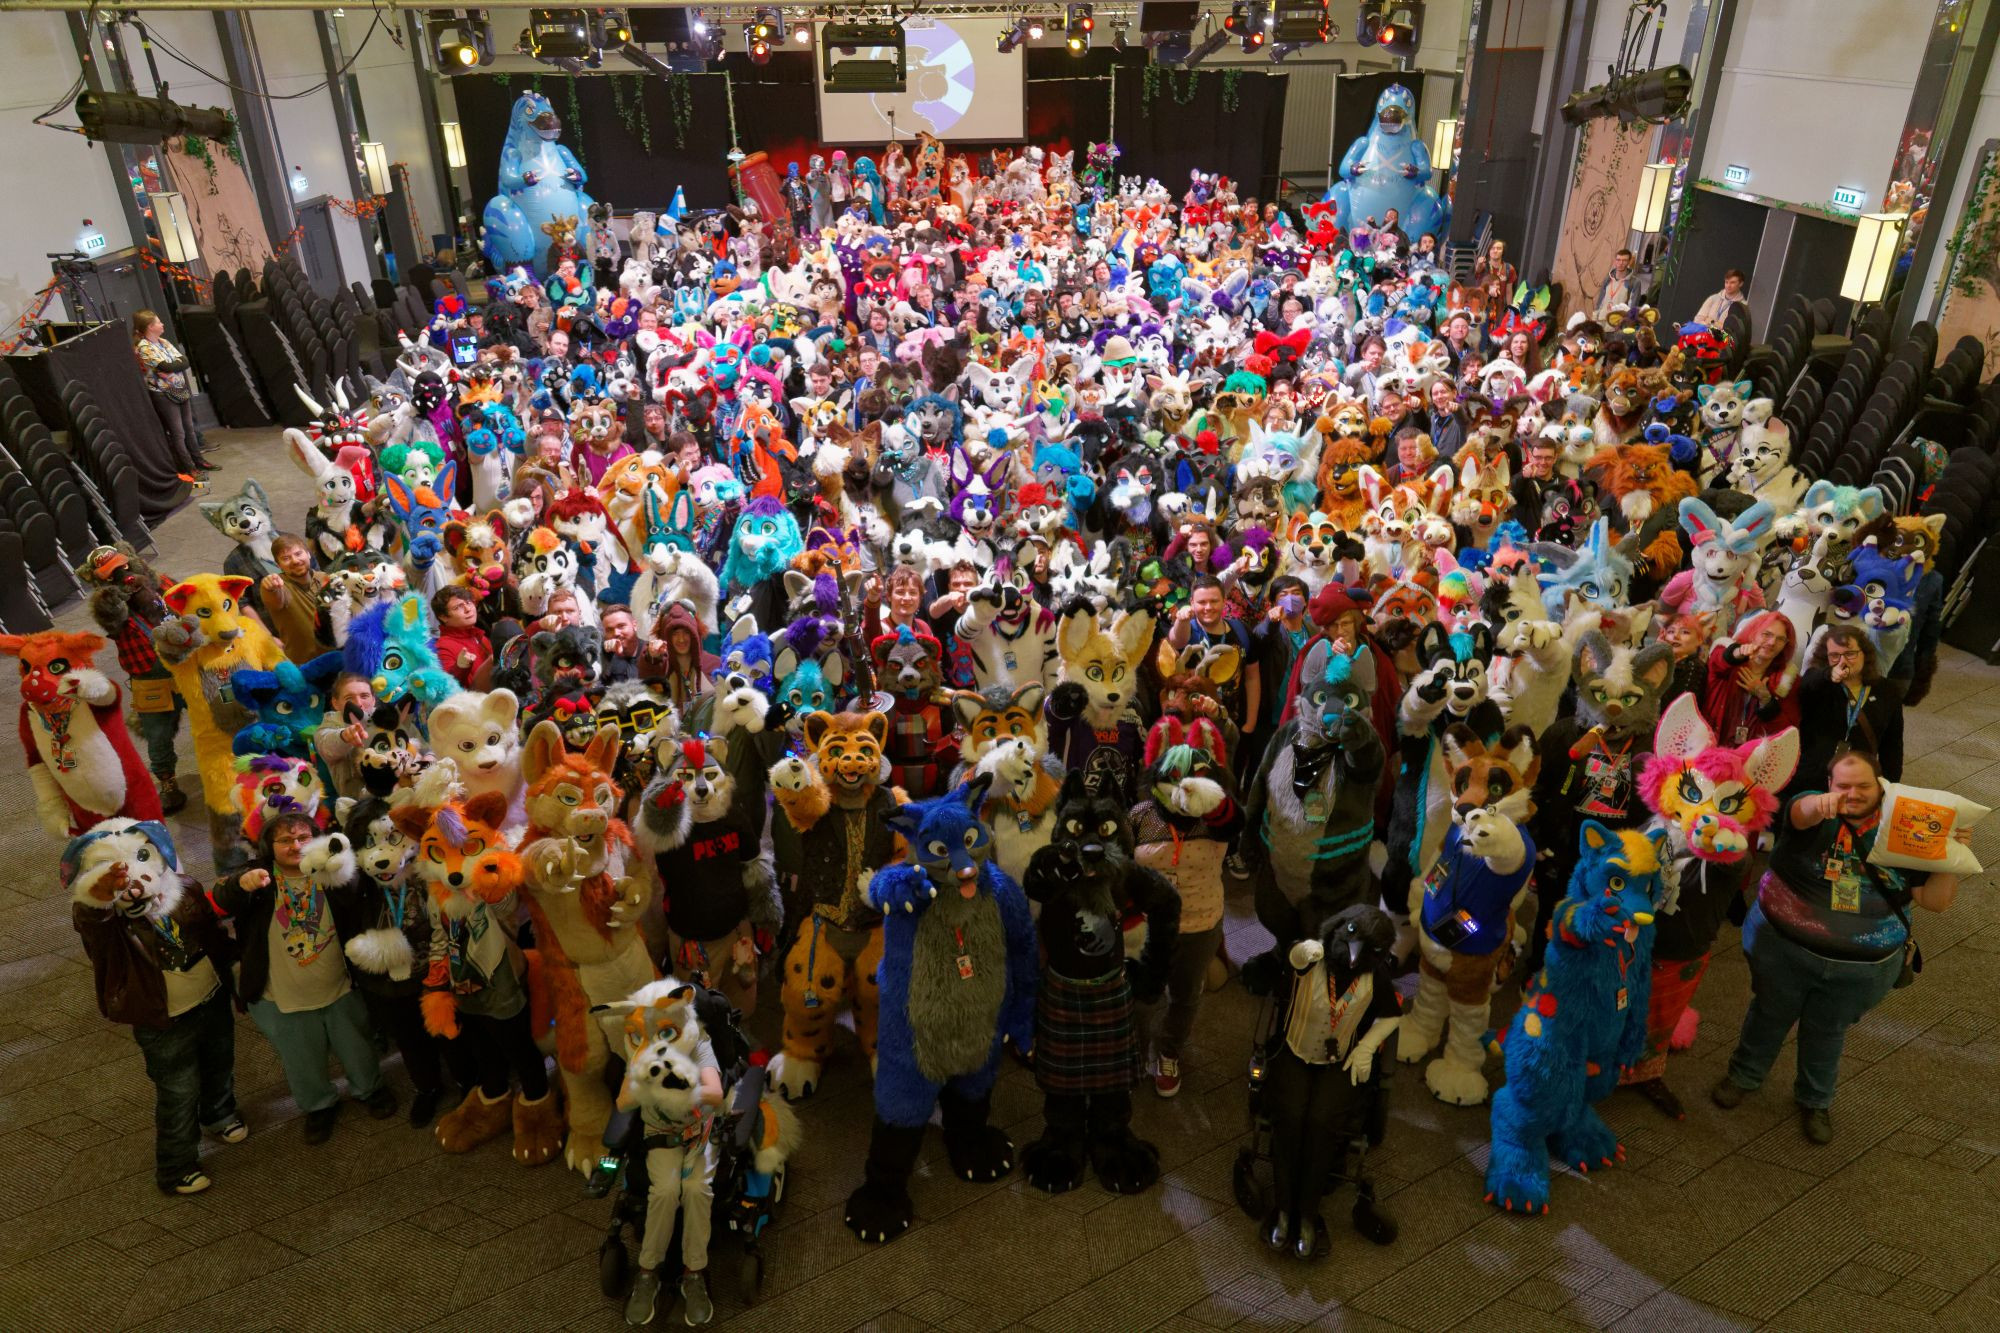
<point x="222" y="206"/>
<point x="1971" y="297"/>
<point x="1598" y="222"/>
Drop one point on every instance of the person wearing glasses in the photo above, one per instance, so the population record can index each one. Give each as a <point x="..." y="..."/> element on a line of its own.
<point x="1842" y="703"/>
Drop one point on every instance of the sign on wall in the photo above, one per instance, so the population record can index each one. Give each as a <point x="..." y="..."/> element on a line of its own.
<point x="1597" y="224"/>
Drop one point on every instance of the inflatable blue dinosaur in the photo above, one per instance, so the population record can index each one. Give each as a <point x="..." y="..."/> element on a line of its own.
<point x="1389" y="167"/>
<point x="540" y="181"/>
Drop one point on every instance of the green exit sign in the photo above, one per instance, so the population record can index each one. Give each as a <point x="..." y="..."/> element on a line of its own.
<point x="1849" y="197"/>
<point x="1736" y="175"/>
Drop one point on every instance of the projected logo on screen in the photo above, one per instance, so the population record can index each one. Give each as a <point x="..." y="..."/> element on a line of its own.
<point x="941" y="81"/>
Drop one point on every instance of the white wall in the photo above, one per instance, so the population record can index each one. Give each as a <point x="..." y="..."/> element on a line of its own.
<point x="1814" y="93"/>
<point x="308" y="134"/>
<point x="393" y="109"/>
<point x="54" y="179"/>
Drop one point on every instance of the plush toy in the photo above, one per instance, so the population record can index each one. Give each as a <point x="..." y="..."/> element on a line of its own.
<point x="1087" y="1048"/>
<point x="395" y="646"/>
<point x="1464" y="909"/>
<point x="719" y="895"/>
<point x="830" y="836"/>
<point x="1309" y="816"/>
<point x="208" y="638"/>
<point x="1324" y="1077"/>
<point x="1094" y="712"/>
<point x="957" y="979"/>
<point x="1711" y="801"/>
<point x="585" y="917"/>
<point x="1581" y="1020"/>
<point x="80" y="756"/>
<point x="245" y="518"/>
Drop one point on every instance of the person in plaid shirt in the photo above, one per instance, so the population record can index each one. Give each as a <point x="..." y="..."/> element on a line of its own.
<point x="125" y="602"/>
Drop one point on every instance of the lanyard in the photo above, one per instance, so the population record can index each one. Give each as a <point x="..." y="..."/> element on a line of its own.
<point x="1855" y="704"/>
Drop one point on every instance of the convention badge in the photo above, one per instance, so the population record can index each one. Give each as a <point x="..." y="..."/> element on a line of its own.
<point x="1440" y="875"/>
<point x="1013" y="664"/>
<point x="965" y="967"/>
<point x="1316" y="807"/>
<point x="744" y="952"/>
<point x="1846" y="895"/>
<point x="1624" y="998"/>
<point x="1024" y="821"/>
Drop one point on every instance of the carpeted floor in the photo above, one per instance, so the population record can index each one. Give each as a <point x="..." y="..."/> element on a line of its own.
<point x="1727" y="1220"/>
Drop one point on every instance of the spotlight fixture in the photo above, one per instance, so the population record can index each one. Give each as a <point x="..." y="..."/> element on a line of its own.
<point x="1654" y="96"/>
<point x="764" y="24"/>
<point x="1246" y="24"/>
<point x="1397" y="29"/>
<point x="1078" y="24"/>
<point x="884" y="69"/>
<point x="1217" y="38"/>
<point x="614" y="29"/>
<point x="802" y="32"/>
<point x="1014" y="36"/>
<point x="1035" y="29"/>
<point x="757" y="45"/>
<point x="559" y="33"/>
<point x="1299" y="22"/>
<point x="1118" y="36"/>
<point x="460" y="43"/>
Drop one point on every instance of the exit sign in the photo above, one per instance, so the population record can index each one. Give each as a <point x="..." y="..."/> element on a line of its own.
<point x="1735" y="175"/>
<point x="1849" y="197"/>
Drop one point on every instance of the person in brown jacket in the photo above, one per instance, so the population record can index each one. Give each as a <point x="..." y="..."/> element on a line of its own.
<point x="161" y="964"/>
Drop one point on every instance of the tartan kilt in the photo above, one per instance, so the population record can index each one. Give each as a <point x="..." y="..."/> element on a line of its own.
<point x="1085" y="1039"/>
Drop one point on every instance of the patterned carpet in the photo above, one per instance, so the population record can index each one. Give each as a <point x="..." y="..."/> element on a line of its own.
<point x="1727" y="1220"/>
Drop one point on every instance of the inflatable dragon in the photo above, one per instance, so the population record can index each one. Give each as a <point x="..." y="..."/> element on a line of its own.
<point x="1389" y="167"/>
<point x="541" y="188"/>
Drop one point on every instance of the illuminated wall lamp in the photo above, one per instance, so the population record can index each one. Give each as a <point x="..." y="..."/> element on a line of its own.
<point x="454" y="145"/>
<point x="177" y="238"/>
<point x="1878" y="238"/>
<point x="375" y="157"/>
<point x="1444" y="138"/>
<point x="1649" y="210"/>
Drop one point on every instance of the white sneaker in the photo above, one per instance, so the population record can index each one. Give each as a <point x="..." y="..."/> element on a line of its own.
<point x="696" y="1308"/>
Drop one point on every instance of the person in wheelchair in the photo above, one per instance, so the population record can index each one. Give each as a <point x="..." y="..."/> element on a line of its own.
<point x="694" y="1144"/>
<point x="1318" y="1088"/>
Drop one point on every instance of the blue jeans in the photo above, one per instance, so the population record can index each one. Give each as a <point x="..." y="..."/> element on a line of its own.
<point x="1824" y="997"/>
<point x="303" y="1040"/>
<point x="159" y="731"/>
<point x="192" y="1062"/>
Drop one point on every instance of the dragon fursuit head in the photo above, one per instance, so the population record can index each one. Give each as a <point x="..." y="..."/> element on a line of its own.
<point x="1715" y="798"/>
<point x="1581" y="1020"/>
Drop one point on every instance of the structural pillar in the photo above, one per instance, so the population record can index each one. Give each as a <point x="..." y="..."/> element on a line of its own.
<point x="263" y="155"/>
<point x="350" y="138"/>
<point x="101" y="76"/>
<point x="1938" y="128"/>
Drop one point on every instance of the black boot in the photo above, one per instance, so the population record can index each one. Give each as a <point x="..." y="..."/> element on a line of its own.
<point x="1054" y="1162"/>
<point x="1124" y="1162"/>
<point x="880" y="1210"/>
<point x="979" y="1152"/>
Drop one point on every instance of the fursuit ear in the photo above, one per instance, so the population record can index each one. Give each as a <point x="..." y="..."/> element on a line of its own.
<point x="1594" y="837"/>
<point x="1461" y="745"/>
<point x="968" y="704"/>
<point x="1517" y="748"/>
<point x="1313" y="669"/>
<point x="602" y="752"/>
<point x="878" y="727"/>
<point x="815" y="727"/>
<point x="1219" y="664"/>
<point x="1133" y="631"/>
<point x="1482" y="640"/>
<point x="1683" y="733"/>
<point x="1653" y="667"/>
<point x="413" y="821"/>
<point x="1073" y="788"/>
<point x="543" y="751"/>
<point x="797" y="584"/>
<point x="975" y="789"/>
<point x="1594" y="651"/>
<point x="1433" y="642"/>
<point x="1772" y="761"/>
<point x="490" y="807"/>
<point x="1029" y="698"/>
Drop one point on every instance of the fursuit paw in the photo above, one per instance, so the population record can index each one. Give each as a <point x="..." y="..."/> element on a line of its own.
<point x="1686" y="1030"/>
<point x="1415" y="1041"/>
<point x="1588" y="1145"/>
<point x="473" y="1121"/>
<point x="1052" y="1167"/>
<point x="899" y="888"/>
<point x="1126" y="1164"/>
<point x="1452" y="1082"/>
<point x="878" y="1216"/>
<point x="1517" y="1192"/>
<point x="795" y="1077"/>
<point x="538" y="1129"/>
<point x="980" y="1154"/>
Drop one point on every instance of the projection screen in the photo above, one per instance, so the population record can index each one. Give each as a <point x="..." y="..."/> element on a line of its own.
<point x="960" y="88"/>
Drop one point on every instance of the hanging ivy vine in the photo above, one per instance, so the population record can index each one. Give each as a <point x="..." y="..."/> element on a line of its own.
<point x="1974" y="248"/>
<point x="535" y="85"/>
<point x="1230" y="78"/>
<point x="232" y="143"/>
<point x="575" y="119"/>
<point x="680" y="103"/>
<point x="502" y="80"/>
<point x="1182" y="85"/>
<point x="201" y="151"/>
<point x="628" y="97"/>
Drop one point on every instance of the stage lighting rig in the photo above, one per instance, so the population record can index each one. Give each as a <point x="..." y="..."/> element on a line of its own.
<point x="1299" y="22"/>
<point x="1217" y="38"/>
<point x="125" y="118"/>
<point x="1035" y="28"/>
<point x="1014" y="36"/>
<point x="614" y="29"/>
<point x="558" y="34"/>
<point x="1078" y="23"/>
<point x="886" y="71"/>
<point x="1246" y="23"/>
<point x="757" y="48"/>
<point x="802" y="32"/>
<point x="1656" y="96"/>
<point x="462" y="42"/>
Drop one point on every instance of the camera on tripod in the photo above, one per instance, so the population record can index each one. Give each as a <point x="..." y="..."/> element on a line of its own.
<point x="72" y="261"/>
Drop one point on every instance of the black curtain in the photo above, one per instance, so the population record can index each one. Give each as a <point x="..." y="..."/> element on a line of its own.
<point x="1171" y="122"/>
<point x="623" y="169"/>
